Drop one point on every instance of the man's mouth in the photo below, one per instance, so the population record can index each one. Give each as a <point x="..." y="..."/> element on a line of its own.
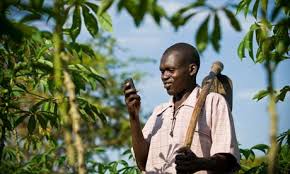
<point x="167" y="85"/>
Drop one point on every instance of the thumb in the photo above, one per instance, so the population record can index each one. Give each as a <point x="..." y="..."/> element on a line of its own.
<point x="184" y="150"/>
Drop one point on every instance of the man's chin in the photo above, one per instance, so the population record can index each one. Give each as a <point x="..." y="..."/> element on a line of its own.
<point x="169" y="92"/>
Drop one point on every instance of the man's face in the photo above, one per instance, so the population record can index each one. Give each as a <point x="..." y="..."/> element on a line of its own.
<point x="174" y="73"/>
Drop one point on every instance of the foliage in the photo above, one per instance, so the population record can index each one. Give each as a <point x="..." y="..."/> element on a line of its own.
<point x="59" y="99"/>
<point x="251" y="164"/>
<point x="138" y="9"/>
<point x="37" y="108"/>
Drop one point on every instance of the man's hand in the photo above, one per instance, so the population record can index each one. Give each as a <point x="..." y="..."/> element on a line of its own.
<point x="186" y="162"/>
<point x="132" y="99"/>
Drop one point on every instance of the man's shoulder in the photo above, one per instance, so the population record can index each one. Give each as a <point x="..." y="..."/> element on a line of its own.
<point x="214" y="97"/>
<point x="161" y="108"/>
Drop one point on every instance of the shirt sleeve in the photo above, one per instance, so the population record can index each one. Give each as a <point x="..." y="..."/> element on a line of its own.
<point x="148" y="127"/>
<point x="222" y="127"/>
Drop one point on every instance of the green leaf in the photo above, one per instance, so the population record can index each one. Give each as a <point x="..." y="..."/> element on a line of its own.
<point x="264" y="6"/>
<point x="241" y="49"/>
<point x="233" y="20"/>
<point x="38" y="104"/>
<point x="42" y="121"/>
<point x="255" y="8"/>
<point x="259" y="56"/>
<point x="249" y="43"/>
<point x="245" y="152"/>
<point x="77" y="23"/>
<point x="105" y="22"/>
<point x="216" y="34"/>
<point x="105" y="5"/>
<point x="7" y="123"/>
<point x="157" y="13"/>
<point x="94" y="7"/>
<point x="30" y="17"/>
<point x="262" y="147"/>
<point x="261" y="94"/>
<point x="197" y="3"/>
<point x="19" y="120"/>
<point x="201" y="37"/>
<point x="258" y="34"/>
<point x="90" y="22"/>
<point x="100" y="114"/>
<point x="36" y="3"/>
<point x="31" y="124"/>
<point x="282" y="93"/>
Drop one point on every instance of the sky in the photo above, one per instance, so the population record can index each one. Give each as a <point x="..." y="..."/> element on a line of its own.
<point x="149" y="40"/>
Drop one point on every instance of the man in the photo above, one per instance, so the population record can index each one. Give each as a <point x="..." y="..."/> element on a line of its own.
<point x="156" y="147"/>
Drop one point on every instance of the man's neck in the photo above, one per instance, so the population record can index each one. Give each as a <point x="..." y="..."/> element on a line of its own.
<point x="182" y="96"/>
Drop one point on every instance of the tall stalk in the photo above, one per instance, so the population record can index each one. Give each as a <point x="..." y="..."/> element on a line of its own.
<point x="273" y="121"/>
<point x="75" y="117"/>
<point x="59" y="94"/>
<point x="70" y="119"/>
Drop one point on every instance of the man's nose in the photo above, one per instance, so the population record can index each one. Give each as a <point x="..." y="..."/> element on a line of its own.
<point x="165" y="75"/>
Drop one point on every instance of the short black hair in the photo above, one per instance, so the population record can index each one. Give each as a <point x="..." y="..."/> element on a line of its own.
<point x="186" y="50"/>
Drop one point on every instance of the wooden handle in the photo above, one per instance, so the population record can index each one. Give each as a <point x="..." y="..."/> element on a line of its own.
<point x="216" y="68"/>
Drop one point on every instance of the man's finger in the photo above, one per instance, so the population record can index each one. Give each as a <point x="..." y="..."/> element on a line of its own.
<point x="183" y="162"/>
<point x="132" y="97"/>
<point x="182" y="157"/>
<point x="129" y="92"/>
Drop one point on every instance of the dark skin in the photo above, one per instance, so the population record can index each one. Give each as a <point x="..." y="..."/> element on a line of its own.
<point x="178" y="75"/>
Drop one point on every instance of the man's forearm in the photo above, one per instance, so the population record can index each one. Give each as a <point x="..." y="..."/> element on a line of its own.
<point x="140" y="146"/>
<point x="221" y="162"/>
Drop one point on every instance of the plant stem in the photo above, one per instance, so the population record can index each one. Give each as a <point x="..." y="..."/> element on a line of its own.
<point x="59" y="94"/>
<point x="273" y="121"/>
<point x="75" y="116"/>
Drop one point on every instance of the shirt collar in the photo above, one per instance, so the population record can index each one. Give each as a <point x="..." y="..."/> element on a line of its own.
<point x="190" y="101"/>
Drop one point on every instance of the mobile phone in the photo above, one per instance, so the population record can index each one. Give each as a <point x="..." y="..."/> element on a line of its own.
<point x="131" y="83"/>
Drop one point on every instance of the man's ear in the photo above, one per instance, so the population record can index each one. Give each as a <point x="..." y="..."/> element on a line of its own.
<point x="193" y="69"/>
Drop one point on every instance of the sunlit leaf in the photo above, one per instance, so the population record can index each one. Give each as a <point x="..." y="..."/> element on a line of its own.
<point x="90" y="22"/>
<point x="105" y="21"/>
<point x="243" y="5"/>
<point x="267" y="46"/>
<point x="201" y="37"/>
<point x="105" y="5"/>
<point x="261" y="94"/>
<point x="264" y="6"/>
<point x="233" y="20"/>
<point x="38" y="104"/>
<point x="259" y="56"/>
<point x="249" y="43"/>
